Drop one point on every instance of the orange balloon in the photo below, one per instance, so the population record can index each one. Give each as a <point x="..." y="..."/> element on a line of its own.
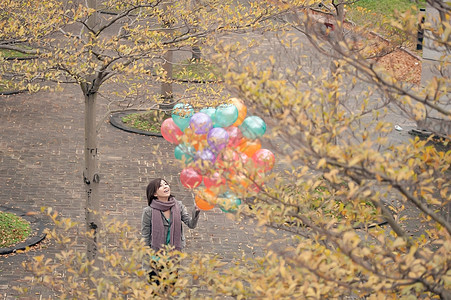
<point x="249" y="147"/>
<point x="203" y="197"/>
<point x="198" y="141"/>
<point x="239" y="184"/>
<point x="242" y="111"/>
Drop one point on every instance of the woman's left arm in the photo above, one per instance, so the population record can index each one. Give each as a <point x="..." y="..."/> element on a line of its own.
<point x="190" y="221"/>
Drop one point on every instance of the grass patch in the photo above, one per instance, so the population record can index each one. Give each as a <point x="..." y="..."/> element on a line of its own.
<point x="191" y="70"/>
<point x="13" y="229"/>
<point x="12" y="54"/>
<point x="376" y="16"/>
<point x="147" y="121"/>
<point x="10" y="85"/>
<point x="388" y="7"/>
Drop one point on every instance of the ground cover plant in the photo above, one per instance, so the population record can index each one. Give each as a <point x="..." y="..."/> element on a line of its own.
<point x="13" y="229"/>
<point x="147" y="121"/>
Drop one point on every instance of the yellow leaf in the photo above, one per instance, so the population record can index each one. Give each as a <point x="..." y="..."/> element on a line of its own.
<point x="321" y="163"/>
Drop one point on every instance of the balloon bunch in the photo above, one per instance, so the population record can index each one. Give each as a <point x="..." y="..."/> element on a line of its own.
<point x="220" y="148"/>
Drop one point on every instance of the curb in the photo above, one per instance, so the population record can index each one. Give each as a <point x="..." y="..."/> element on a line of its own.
<point x="38" y="225"/>
<point x="116" y="121"/>
<point x="15" y="92"/>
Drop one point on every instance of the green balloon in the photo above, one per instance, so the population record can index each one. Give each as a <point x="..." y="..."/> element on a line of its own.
<point x="184" y="151"/>
<point x="229" y="202"/>
<point x="181" y="115"/>
<point x="226" y="115"/>
<point x="211" y="111"/>
<point x="253" y="127"/>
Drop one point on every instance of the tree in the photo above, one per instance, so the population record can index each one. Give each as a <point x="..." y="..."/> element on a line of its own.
<point x="347" y="195"/>
<point x="346" y="173"/>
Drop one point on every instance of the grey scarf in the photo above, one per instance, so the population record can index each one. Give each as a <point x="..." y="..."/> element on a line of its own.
<point x="158" y="232"/>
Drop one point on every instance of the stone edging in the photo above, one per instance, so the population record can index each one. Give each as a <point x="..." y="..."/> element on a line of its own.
<point x="37" y="230"/>
<point x="116" y="121"/>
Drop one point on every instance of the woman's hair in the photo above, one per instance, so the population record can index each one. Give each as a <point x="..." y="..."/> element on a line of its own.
<point x="152" y="188"/>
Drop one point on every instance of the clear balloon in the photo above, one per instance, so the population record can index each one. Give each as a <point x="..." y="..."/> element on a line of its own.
<point x="228" y="202"/>
<point x="217" y="138"/>
<point x="226" y="115"/>
<point x="184" y="152"/>
<point x="181" y="114"/>
<point x="253" y="127"/>
<point x="234" y="136"/>
<point x="242" y="111"/>
<point x="190" y="178"/>
<point x="264" y="159"/>
<point x="170" y="131"/>
<point x="200" y="123"/>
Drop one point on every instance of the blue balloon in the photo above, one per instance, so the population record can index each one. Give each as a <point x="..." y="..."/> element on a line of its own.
<point x="181" y="115"/>
<point x="228" y="202"/>
<point x="253" y="127"/>
<point x="200" y="123"/>
<point x="226" y="115"/>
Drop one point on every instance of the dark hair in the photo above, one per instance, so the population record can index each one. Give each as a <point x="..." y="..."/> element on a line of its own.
<point x="152" y="188"/>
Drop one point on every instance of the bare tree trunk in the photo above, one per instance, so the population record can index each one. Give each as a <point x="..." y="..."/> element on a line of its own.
<point x="90" y="175"/>
<point x="166" y="86"/>
<point x="340" y="16"/>
<point x="197" y="54"/>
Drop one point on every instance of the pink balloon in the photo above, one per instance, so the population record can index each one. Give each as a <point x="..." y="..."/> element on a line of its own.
<point x="234" y="136"/>
<point x="244" y="158"/>
<point x="264" y="159"/>
<point x="170" y="131"/>
<point x="214" y="180"/>
<point x="190" y="178"/>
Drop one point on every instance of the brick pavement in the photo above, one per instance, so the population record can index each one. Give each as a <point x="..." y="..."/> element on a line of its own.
<point x="41" y="163"/>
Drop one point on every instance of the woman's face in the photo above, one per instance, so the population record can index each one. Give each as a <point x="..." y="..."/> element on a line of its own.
<point x="163" y="191"/>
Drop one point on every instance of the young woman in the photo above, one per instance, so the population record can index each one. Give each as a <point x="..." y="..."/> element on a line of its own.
<point x="162" y="221"/>
<point x="162" y="218"/>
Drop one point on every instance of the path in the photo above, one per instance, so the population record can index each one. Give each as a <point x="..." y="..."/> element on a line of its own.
<point x="41" y="155"/>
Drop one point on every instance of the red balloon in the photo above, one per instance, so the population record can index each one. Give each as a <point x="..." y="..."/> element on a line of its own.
<point x="170" y="131"/>
<point x="234" y="136"/>
<point x="264" y="159"/>
<point x="190" y="178"/>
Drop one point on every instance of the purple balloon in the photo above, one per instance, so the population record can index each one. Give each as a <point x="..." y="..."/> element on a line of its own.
<point x="206" y="154"/>
<point x="201" y="123"/>
<point x="217" y="138"/>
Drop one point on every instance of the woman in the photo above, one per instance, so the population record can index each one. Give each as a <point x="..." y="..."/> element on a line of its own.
<point x="162" y="221"/>
<point x="162" y="218"/>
